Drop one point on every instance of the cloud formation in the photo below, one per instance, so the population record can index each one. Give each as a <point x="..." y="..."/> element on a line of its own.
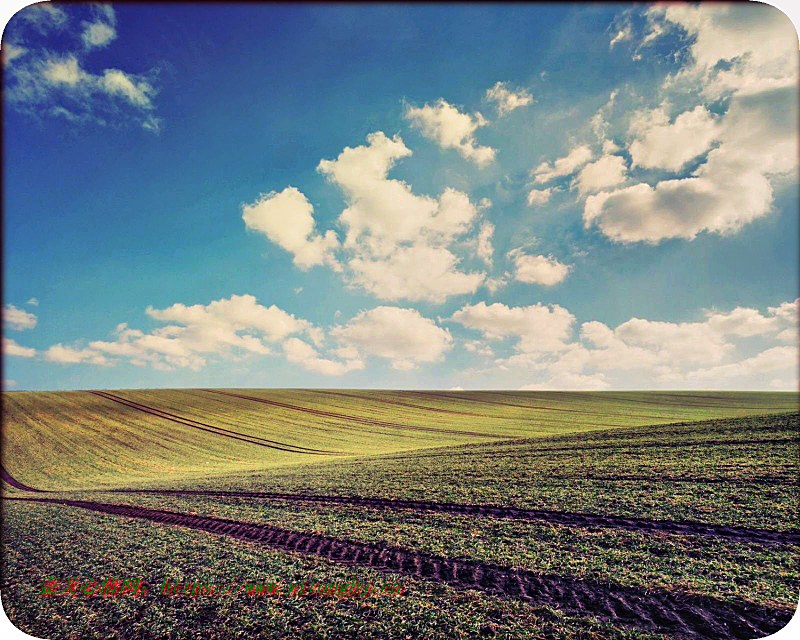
<point x="538" y="269"/>
<point x="506" y="99"/>
<point x="18" y="319"/>
<point x="450" y="129"/>
<point x="51" y="81"/>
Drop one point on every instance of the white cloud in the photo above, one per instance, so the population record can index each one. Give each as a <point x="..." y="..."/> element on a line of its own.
<point x="44" y="16"/>
<point x="478" y="347"/>
<point x="757" y="42"/>
<point x="450" y="129"/>
<point x="12" y="52"/>
<point x="539" y="196"/>
<point x="118" y="82"/>
<point x="398" y="240"/>
<point x="9" y="384"/>
<point x="538" y="327"/>
<point x="403" y="336"/>
<point x="485" y="250"/>
<point x="418" y="272"/>
<point x="304" y="354"/>
<point x="43" y="83"/>
<point x="646" y="353"/>
<point x="662" y="145"/>
<point x="224" y="328"/>
<point x="286" y="218"/>
<point x="507" y="100"/>
<point x="71" y="355"/>
<point x="545" y="270"/>
<point x="17" y="319"/>
<point x="98" y="34"/>
<point x="567" y="165"/>
<point x="33" y="302"/>
<point x="569" y="382"/>
<point x="758" y="140"/>
<point x="63" y="71"/>
<point x="768" y="361"/>
<point x="624" y="33"/>
<point x="11" y="348"/>
<point x="608" y="171"/>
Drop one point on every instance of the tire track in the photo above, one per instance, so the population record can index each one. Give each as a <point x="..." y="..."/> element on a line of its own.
<point x="453" y="395"/>
<point x="406" y="404"/>
<point x="16" y="483"/>
<point x="653" y="609"/>
<point x="359" y="419"/>
<point x="566" y="518"/>
<point x="220" y="431"/>
<point x="544" y="452"/>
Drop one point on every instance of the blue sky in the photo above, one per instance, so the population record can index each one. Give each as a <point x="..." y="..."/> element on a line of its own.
<point x="475" y="196"/>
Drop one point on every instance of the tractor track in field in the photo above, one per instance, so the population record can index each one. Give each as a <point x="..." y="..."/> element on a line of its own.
<point x="776" y="480"/>
<point x="451" y="396"/>
<point x="653" y="609"/>
<point x="5" y="475"/>
<point x="359" y="419"/>
<point x="543" y="452"/>
<point x="407" y="404"/>
<point x="566" y="518"/>
<point x="220" y="431"/>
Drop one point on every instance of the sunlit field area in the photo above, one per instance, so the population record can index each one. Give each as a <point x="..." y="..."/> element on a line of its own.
<point x="501" y="514"/>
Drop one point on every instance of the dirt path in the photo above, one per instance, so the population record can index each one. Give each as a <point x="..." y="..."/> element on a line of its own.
<point x="220" y="431"/>
<point x="359" y="419"/>
<point x="654" y="609"/>
<point x="739" y="534"/>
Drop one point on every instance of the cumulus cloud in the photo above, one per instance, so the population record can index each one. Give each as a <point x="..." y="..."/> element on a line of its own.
<point x="403" y="336"/>
<point x="648" y="353"/>
<point x="224" y="328"/>
<point x="758" y="139"/>
<point x="743" y="56"/>
<point x="565" y="166"/>
<point x="398" y="241"/>
<point x="485" y="249"/>
<point x="608" y="171"/>
<point x="450" y="129"/>
<point x="569" y="382"/>
<point x="756" y="43"/>
<point x="305" y="355"/>
<point x="286" y="218"/>
<point x="537" y="327"/>
<point x="33" y="302"/>
<point x="664" y="145"/>
<point x="539" y="196"/>
<point x="506" y="99"/>
<point x="11" y="348"/>
<point x="18" y="319"/>
<point x="545" y="270"/>
<point x="70" y="355"/>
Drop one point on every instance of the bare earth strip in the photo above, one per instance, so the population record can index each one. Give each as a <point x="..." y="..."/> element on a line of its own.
<point x="281" y="446"/>
<point x="739" y="534"/>
<point x="654" y="609"/>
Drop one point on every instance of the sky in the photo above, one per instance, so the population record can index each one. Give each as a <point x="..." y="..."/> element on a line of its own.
<point x="400" y="196"/>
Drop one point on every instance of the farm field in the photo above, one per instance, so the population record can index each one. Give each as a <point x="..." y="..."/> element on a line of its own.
<point x="502" y="514"/>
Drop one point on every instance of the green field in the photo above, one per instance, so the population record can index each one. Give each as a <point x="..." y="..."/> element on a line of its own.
<point x="605" y="481"/>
